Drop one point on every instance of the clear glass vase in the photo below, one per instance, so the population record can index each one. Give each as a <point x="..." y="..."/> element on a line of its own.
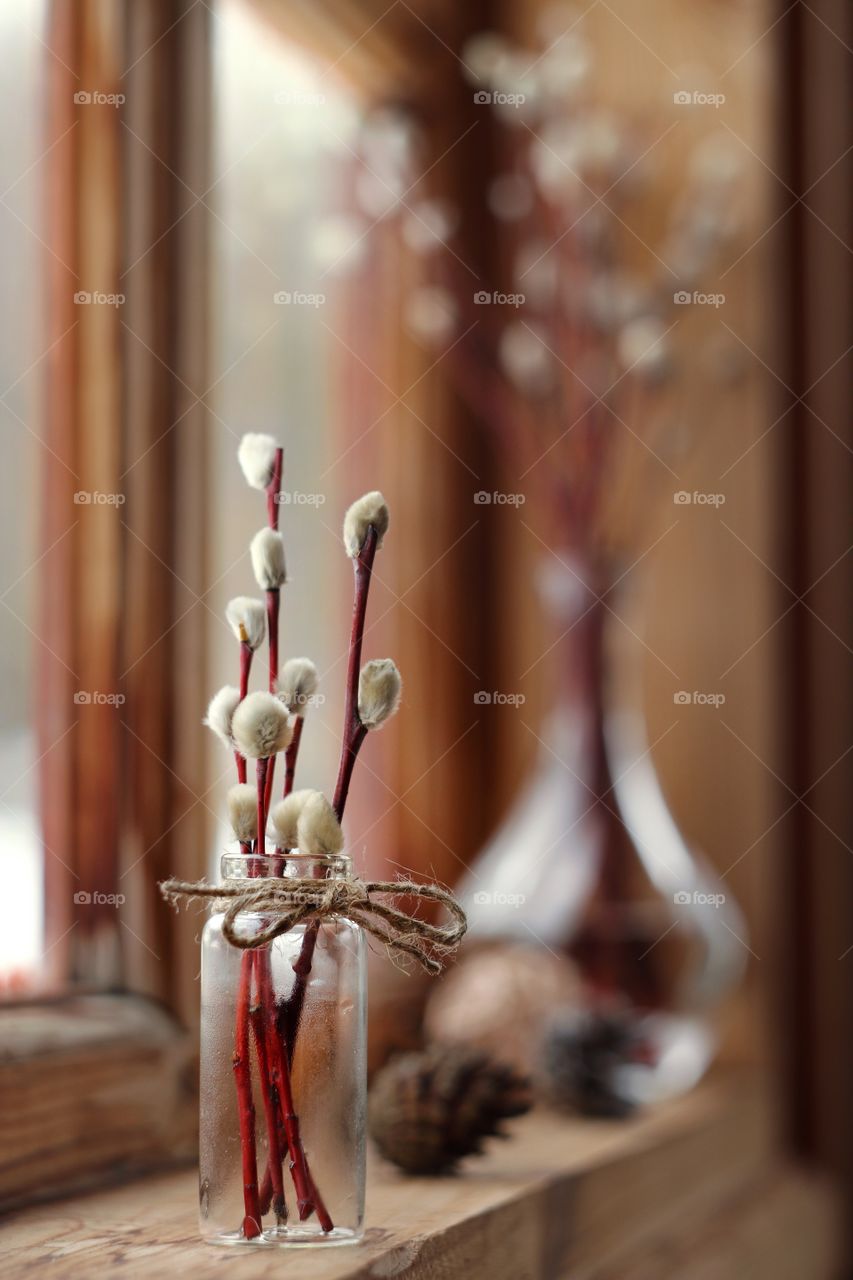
<point x="591" y="862"/>
<point x="283" y="1087"/>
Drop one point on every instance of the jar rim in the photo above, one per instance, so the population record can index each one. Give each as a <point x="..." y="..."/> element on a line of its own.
<point x="290" y="864"/>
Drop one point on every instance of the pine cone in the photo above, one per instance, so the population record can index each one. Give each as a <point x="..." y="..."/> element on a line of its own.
<point x="428" y="1110"/>
<point x="581" y="1055"/>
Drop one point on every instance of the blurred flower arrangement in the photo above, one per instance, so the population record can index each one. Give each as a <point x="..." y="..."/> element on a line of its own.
<point x="581" y="366"/>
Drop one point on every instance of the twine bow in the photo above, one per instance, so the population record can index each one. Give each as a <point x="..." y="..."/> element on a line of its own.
<point x="289" y="901"/>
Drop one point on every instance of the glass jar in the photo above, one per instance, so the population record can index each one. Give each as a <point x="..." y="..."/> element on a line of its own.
<point x="283" y="1073"/>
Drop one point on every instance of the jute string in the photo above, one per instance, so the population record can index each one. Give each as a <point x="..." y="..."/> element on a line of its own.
<point x="290" y="901"/>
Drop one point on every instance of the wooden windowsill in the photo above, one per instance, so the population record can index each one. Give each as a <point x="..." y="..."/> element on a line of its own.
<point x="692" y="1187"/>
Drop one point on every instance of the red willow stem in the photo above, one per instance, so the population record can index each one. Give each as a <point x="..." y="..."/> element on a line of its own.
<point x="362" y="569"/>
<point x="273" y="596"/>
<point x="272" y="1190"/>
<point x="290" y="755"/>
<point x="273" y="605"/>
<point x="242" y="1066"/>
<point x="307" y="1199"/>
<point x="354" y="735"/>
<point x="246" y="656"/>
<point x="245" y="1105"/>
<point x="262" y="771"/>
<point x="273" y="489"/>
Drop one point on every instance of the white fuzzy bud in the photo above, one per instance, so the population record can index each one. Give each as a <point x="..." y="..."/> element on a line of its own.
<point x="256" y="455"/>
<point x="285" y="818"/>
<point x="379" y="690"/>
<point x="220" y="713"/>
<point x="643" y="348"/>
<point x="368" y="510"/>
<point x="267" y="550"/>
<point x="260" y="727"/>
<point x="247" y="619"/>
<point x="318" y="831"/>
<point x="297" y="683"/>
<point x="243" y="811"/>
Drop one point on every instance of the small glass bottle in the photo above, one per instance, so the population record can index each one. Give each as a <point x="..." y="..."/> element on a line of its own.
<point x="283" y="1073"/>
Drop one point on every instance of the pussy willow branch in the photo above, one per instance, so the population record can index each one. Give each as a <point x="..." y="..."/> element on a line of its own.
<point x="273" y="598"/>
<point x="242" y="1067"/>
<point x="291" y="754"/>
<point x="354" y="730"/>
<point x="246" y="656"/>
<point x="353" y="736"/>
<point x="245" y="1105"/>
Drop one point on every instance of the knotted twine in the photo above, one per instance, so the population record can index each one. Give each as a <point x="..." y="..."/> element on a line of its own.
<point x="291" y="900"/>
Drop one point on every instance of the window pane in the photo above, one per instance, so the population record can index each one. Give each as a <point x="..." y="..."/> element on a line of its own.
<point x="21" y="372"/>
<point x="281" y="136"/>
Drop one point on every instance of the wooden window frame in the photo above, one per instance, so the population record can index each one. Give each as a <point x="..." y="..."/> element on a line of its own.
<point x="122" y="786"/>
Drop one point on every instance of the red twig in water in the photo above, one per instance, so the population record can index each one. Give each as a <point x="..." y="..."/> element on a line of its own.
<point x="272" y="1190"/>
<point x="245" y="1105"/>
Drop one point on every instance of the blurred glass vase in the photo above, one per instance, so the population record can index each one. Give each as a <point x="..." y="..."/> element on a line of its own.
<point x="590" y="861"/>
<point x="283" y="1073"/>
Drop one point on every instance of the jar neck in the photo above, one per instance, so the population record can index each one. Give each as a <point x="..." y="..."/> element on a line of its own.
<point x="290" y="865"/>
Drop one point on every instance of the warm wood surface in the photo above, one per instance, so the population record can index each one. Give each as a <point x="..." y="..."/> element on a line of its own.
<point x="689" y="1190"/>
<point x="92" y="1089"/>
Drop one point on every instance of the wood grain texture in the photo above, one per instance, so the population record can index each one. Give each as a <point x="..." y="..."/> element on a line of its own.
<point x="92" y="1090"/>
<point x="689" y="1190"/>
